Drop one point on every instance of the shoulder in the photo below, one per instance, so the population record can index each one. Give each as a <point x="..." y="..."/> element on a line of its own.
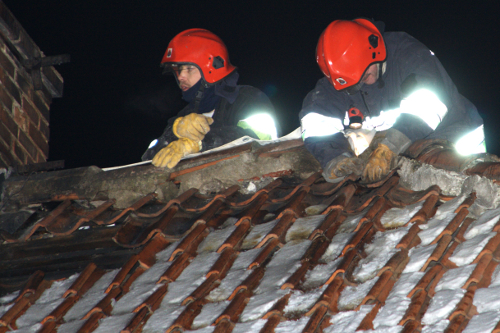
<point x="250" y="92"/>
<point x="402" y="45"/>
<point x="324" y="99"/>
<point x="249" y="96"/>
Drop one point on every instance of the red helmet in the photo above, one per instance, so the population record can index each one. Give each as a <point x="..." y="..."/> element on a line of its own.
<point x="202" y="48"/>
<point x="346" y="49"/>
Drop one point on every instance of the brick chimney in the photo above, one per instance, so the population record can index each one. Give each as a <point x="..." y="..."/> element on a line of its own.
<point x="27" y="85"/>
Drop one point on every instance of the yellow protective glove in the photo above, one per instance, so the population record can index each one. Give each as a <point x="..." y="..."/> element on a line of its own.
<point x="172" y="154"/>
<point x="346" y="167"/>
<point x="379" y="164"/>
<point x="193" y="126"/>
<point x="342" y="166"/>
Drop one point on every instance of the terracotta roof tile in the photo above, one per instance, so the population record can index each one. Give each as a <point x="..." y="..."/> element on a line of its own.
<point x="438" y="252"/>
<point x="192" y="239"/>
<point x="9" y="318"/>
<point x="31" y="285"/>
<point x="445" y="260"/>
<point x="221" y="259"/>
<point x="48" y="327"/>
<point x="367" y="322"/>
<point x="203" y="290"/>
<point x="412" y="326"/>
<point x="174" y="270"/>
<point x="397" y="263"/>
<point x="105" y="305"/>
<point x="432" y="274"/>
<point x="223" y="264"/>
<point x="92" y="322"/>
<point x="490" y="248"/>
<point x="457" y="324"/>
<point x="279" y="230"/>
<point x="236" y="238"/>
<point x="465" y="307"/>
<point x="61" y="310"/>
<point x="411" y="239"/>
<point x="459" y="236"/>
<point x="270" y="247"/>
<point x="365" y="196"/>
<point x="477" y="274"/>
<point x="380" y="206"/>
<point x="400" y="196"/>
<point x="137" y="322"/>
<point x="316" y="319"/>
<point x="363" y="232"/>
<point x="341" y="199"/>
<point x="419" y="302"/>
<point x="489" y="170"/>
<point x="272" y="321"/>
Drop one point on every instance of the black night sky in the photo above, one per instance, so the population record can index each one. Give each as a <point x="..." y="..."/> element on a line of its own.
<point x="116" y="99"/>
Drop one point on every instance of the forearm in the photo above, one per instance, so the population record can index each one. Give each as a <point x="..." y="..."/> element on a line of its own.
<point x="326" y="148"/>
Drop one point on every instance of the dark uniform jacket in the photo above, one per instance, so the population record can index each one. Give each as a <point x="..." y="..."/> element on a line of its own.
<point x="249" y="101"/>
<point x="410" y="65"/>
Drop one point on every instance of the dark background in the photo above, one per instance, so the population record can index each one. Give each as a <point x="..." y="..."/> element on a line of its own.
<point x="116" y="100"/>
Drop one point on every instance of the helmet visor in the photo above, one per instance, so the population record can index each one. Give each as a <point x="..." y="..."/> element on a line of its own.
<point x="176" y="68"/>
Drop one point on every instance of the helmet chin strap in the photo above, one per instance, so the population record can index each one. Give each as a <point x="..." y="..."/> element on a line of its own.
<point x="381" y="70"/>
<point x="199" y="96"/>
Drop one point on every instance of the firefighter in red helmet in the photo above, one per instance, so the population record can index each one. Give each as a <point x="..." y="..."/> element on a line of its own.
<point x="399" y="90"/>
<point x="219" y="110"/>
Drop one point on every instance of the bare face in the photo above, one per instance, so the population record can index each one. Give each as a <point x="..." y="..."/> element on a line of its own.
<point x="188" y="76"/>
<point x="371" y="75"/>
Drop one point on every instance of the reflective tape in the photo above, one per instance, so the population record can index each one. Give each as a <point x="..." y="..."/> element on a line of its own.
<point x="315" y="124"/>
<point x="425" y="104"/>
<point x="422" y="103"/>
<point x="472" y="142"/>
<point x="262" y="124"/>
<point x="153" y="143"/>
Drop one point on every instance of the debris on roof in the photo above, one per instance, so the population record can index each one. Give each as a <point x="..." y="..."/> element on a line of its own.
<point x="268" y="246"/>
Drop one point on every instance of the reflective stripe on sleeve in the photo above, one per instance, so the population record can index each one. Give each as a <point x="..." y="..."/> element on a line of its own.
<point x="425" y="104"/>
<point x="472" y="142"/>
<point x="315" y="124"/>
<point x="262" y="124"/>
<point x="422" y="103"/>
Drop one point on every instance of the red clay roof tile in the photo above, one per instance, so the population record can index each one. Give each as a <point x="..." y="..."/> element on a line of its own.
<point x="316" y="319"/>
<point x="271" y="246"/>
<point x="438" y="252"/>
<point x="419" y="302"/>
<point x="465" y="307"/>
<point x="457" y="324"/>
<point x="360" y="202"/>
<point x="367" y="322"/>
<point x="31" y="285"/>
<point x="104" y="306"/>
<point x="179" y="264"/>
<point x="477" y="274"/>
<point x="408" y="240"/>
<point x="236" y="238"/>
<point x="400" y="196"/>
<point x="137" y="322"/>
<point x="146" y="231"/>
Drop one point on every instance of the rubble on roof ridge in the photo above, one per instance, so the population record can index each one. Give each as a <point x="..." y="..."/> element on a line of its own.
<point x="420" y="176"/>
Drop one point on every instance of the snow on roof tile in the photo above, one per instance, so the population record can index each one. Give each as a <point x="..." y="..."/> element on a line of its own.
<point x="295" y="255"/>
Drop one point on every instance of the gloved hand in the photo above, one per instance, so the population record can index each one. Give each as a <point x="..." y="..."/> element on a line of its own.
<point x="379" y="164"/>
<point x="172" y="154"/>
<point x="193" y="126"/>
<point x="342" y="166"/>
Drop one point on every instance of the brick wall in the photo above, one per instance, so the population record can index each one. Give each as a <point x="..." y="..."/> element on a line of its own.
<point x="24" y="110"/>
